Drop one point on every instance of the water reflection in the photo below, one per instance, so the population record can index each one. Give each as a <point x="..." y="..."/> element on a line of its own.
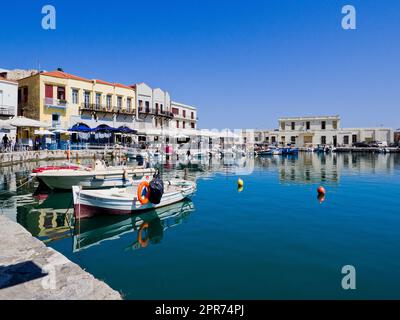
<point x="47" y="216"/>
<point x="89" y="232"/>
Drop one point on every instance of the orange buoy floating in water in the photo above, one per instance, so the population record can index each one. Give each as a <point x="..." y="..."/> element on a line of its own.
<point x="321" y="197"/>
<point x="321" y="190"/>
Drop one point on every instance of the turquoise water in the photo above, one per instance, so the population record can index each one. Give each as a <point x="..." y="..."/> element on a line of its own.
<point x="273" y="240"/>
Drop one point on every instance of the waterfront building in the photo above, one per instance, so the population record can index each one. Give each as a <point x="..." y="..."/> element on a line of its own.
<point x="185" y="116"/>
<point x="61" y="100"/>
<point x="8" y="104"/>
<point x="319" y="130"/>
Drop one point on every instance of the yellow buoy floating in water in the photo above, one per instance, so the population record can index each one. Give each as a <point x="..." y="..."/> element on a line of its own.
<point x="240" y="183"/>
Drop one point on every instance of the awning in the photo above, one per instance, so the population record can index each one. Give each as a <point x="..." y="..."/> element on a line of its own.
<point x="104" y="128"/>
<point x="127" y="130"/>
<point x="26" y="122"/>
<point x="80" y="127"/>
<point x="43" y="133"/>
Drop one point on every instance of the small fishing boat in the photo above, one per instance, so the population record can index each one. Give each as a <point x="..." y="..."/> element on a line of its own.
<point x="100" y="176"/>
<point x="119" y="201"/>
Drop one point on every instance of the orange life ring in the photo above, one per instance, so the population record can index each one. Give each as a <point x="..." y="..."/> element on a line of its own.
<point x="143" y="192"/>
<point x="142" y="242"/>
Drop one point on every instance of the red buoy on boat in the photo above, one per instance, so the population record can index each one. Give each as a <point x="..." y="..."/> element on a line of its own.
<point x="321" y="190"/>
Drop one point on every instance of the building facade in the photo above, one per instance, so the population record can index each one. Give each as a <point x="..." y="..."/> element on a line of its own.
<point x="8" y="98"/>
<point x="62" y="100"/>
<point x="319" y="130"/>
<point x="185" y="116"/>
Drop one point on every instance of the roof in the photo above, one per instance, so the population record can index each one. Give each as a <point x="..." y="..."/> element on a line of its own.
<point x="64" y="75"/>
<point x="309" y="118"/>
<point x="7" y="80"/>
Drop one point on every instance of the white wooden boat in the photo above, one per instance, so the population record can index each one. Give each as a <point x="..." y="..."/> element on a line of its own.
<point x="101" y="176"/>
<point x="119" y="201"/>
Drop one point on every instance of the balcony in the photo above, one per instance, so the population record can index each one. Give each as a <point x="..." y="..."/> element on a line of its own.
<point x="106" y="109"/>
<point x="7" y="111"/>
<point x="155" y="113"/>
<point x="55" y="103"/>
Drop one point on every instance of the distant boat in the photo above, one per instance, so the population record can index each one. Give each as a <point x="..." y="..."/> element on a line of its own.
<point x="290" y="150"/>
<point x="119" y="201"/>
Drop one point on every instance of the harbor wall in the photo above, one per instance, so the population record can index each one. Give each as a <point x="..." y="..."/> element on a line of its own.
<point x="31" y="271"/>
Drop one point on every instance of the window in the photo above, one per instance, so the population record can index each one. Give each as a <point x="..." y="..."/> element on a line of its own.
<point x="87" y="98"/>
<point x="119" y="103"/>
<point x="175" y="111"/>
<point x="147" y="106"/>
<point x="48" y="92"/>
<point x="128" y="104"/>
<point x="323" y="140"/>
<point x="161" y="108"/>
<point x="183" y="124"/>
<point x="323" y="125"/>
<point x="283" y="138"/>
<point x="75" y="96"/>
<point x="354" y="138"/>
<point x="55" y="119"/>
<point x="192" y="125"/>
<point x="346" y="139"/>
<point x="293" y="139"/>
<point x="273" y="139"/>
<point x="334" y="125"/>
<point x="108" y="102"/>
<point x="98" y="100"/>
<point x="177" y="123"/>
<point x="192" y="115"/>
<point x="293" y="125"/>
<point x="308" y="125"/>
<point x="184" y="113"/>
<point x="25" y="95"/>
<point x="156" y="108"/>
<point x="61" y="93"/>
<point x="140" y="105"/>
<point x="282" y="125"/>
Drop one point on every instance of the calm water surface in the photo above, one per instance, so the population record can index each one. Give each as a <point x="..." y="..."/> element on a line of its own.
<point x="274" y="239"/>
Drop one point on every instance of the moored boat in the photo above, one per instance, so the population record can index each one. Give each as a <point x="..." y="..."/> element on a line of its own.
<point x="119" y="201"/>
<point x="100" y="176"/>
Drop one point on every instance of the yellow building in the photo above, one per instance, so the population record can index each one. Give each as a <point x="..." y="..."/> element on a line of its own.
<point x="60" y="100"/>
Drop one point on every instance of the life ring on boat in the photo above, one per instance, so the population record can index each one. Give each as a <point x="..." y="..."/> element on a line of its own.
<point x="143" y="242"/>
<point x="143" y="192"/>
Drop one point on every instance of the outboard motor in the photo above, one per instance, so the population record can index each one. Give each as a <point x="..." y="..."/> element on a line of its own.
<point x="156" y="189"/>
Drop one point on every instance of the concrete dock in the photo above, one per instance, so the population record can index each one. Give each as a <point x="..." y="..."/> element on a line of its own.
<point x="11" y="158"/>
<point x="31" y="271"/>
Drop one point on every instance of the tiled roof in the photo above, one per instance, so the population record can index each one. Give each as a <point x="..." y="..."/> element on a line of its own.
<point x="64" y="75"/>
<point x="8" y="80"/>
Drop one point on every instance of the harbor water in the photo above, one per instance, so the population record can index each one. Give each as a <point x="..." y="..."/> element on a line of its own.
<point x="273" y="239"/>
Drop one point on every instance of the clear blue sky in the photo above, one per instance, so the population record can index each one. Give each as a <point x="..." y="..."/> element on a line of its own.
<point x="242" y="63"/>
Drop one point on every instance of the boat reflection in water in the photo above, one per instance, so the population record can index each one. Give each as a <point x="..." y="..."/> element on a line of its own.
<point x="149" y="226"/>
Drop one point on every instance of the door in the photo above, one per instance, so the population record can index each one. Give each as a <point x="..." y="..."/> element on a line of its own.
<point x="334" y="141"/>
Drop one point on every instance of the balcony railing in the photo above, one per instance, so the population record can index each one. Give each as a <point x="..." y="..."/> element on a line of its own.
<point x="105" y="108"/>
<point x="155" y="112"/>
<point x="8" y="111"/>
<point x="55" y="103"/>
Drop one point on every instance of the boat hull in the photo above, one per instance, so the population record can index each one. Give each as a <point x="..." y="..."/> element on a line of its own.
<point x="87" y="204"/>
<point x="93" y="180"/>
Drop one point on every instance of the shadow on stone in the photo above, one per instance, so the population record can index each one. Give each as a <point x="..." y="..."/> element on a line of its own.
<point x="15" y="274"/>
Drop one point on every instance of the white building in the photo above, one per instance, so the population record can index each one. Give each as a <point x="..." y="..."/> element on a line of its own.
<point x="8" y="98"/>
<point x="156" y="111"/>
<point x="8" y="104"/>
<point x="319" y="130"/>
<point x="185" y="116"/>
